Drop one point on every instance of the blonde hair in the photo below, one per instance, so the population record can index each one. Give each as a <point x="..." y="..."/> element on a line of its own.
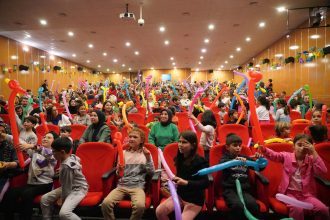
<point x="280" y="126"/>
<point x="141" y="133"/>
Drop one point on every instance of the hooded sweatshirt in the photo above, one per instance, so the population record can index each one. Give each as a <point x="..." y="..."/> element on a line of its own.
<point x="71" y="176"/>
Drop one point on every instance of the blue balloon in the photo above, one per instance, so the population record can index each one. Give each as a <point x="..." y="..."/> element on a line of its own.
<point x="40" y="90"/>
<point x="257" y="165"/>
<point x="237" y="91"/>
<point x="126" y="89"/>
<point x="174" y="90"/>
<point x="294" y="94"/>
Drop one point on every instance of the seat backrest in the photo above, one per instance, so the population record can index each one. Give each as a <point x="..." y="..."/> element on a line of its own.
<point x="308" y="115"/>
<point x="40" y="131"/>
<point x="96" y="159"/>
<point x="237" y="129"/>
<point x="136" y="117"/>
<point x="268" y="131"/>
<point x="298" y="129"/>
<point x="295" y="115"/>
<point x="146" y="131"/>
<point x="77" y="131"/>
<point x="323" y="150"/>
<point x="5" y="118"/>
<point x="170" y="152"/>
<point x="216" y="153"/>
<point x="141" y="110"/>
<point x="273" y="171"/>
<point x="183" y="121"/>
<point x="151" y="117"/>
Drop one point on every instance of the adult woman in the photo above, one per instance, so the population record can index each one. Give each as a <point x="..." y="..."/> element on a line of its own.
<point x="73" y="106"/>
<point x="107" y="109"/>
<point x="82" y="117"/>
<point x="98" y="131"/>
<point x="53" y="117"/>
<point x="190" y="188"/>
<point x="40" y="179"/>
<point x="164" y="132"/>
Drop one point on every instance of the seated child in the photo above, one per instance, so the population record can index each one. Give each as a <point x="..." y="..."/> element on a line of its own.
<point x="222" y="111"/>
<point x="233" y="117"/>
<point x="298" y="176"/>
<point x="150" y="124"/>
<point x="138" y="163"/>
<point x="316" y="120"/>
<point x="282" y="130"/>
<point x="319" y="133"/>
<point x="229" y="175"/>
<point x="73" y="183"/>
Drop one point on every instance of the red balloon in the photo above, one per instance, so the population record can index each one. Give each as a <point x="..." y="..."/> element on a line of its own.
<point x="255" y="77"/>
<point x="225" y="88"/>
<point x="43" y="122"/>
<point x="15" y="87"/>
<point x="324" y="115"/>
<point x="117" y="143"/>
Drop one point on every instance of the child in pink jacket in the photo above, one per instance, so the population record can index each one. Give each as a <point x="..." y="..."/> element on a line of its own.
<point x="298" y="175"/>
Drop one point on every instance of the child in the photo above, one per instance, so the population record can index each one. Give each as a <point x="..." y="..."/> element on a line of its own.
<point x="229" y="175"/>
<point x="190" y="188"/>
<point x="282" y="130"/>
<point x="207" y="127"/>
<point x="319" y="133"/>
<point x="263" y="109"/>
<point x="222" y="111"/>
<point x="316" y="120"/>
<point x="40" y="179"/>
<point x="282" y="113"/>
<point x="138" y="163"/>
<point x="298" y="176"/>
<point x="233" y="117"/>
<point x="73" y="183"/>
<point x="150" y="124"/>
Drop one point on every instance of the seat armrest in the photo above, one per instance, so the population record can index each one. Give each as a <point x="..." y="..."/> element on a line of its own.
<point x="210" y="196"/>
<point x="210" y="177"/>
<point x="155" y="189"/>
<point x="262" y="178"/>
<point x="322" y="181"/>
<point x="156" y="176"/>
<point x="109" y="173"/>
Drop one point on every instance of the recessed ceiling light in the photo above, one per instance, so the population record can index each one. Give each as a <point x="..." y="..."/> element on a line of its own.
<point x="59" y="62"/>
<point x="99" y="66"/>
<point x="123" y="65"/>
<point x="42" y="56"/>
<point x="161" y="28"/>
<point x="115" y="60"/>
<point x="206" y="40"/>
<point x="315" y="36"/>
<point x="108" y="70"/>
<point x="279" y="55"/>
<point x="238" y="49"/>
<point x="199" y="62"/>
<point x="90" y="45"/>
<point x="221" y="66"/>
<point x="174" y="67"/>
<point x="88" y="61"/>
<point x="203" y="50"/>
<point x="197" y="69"/>
<point x="74" y="55"/>
<point x="219" y="69"/>
<point x="136" y="52"/>
<point x="173" y="64"/>
<point x="152" y="68"/>
<point x="130" y="69"/>
<point x="127" y="44"/>
<point x="27" y="36"/>
<point x="72" y="67"/>
<point x="172" y="58"/>
<point x="70" y="33"/>
<point x="113" y="72"/>
<point x="201" y="57"/>
<point x="14" y="57"/>
<point x="226" y="62"/>
<point x="248" y="39"/>
<point x="51" y="57"/>
<point x="166" y="42"/>
<point x="43" y="22"/>
<point x="262" y="24"/>
<point x="105" y="54"/>
<point x="281" y="9"/>
<point x="294" y="47"/>
<point x="211" y="26"/>
<point x="26" y="48"/>
<point x="231" y="56"/>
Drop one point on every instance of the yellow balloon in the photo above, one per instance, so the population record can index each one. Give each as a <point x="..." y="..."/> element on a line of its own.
<point x="7" y="80"/>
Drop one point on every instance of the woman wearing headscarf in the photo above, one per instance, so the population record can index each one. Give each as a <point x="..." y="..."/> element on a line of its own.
<point x="164" y="132"/>
<point x="98" y="131"/>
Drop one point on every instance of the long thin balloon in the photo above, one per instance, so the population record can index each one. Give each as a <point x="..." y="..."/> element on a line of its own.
<point x="247" y="213"/>
<point x="237" y="91"/>
<point x="255" y="77"/>
<point x="123" y="112"/>
<point x="40" y="90"/>
<point x="43" y="122"/>
<point x="308" y="89"/>
<point x="51" y="88"/>
<point x="294" y="94"/>
<point x="294" y="202"/>
<point x="165" y="165"/>
<point x="176" y="201"/>
<point x="66" y="104"/>
<point x="121" y="160"/>
<point x="260" y="163"/>
<point x="243" y="75"/>
<point x="148" y="78"/>
<point x="242" y="105"/>
<point x="191" y="107"/>
<point x="15" y="88"/>
<point x="219" y="94"/>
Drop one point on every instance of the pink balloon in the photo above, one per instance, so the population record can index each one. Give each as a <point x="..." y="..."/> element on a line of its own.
<point x="66" y="104"/>
<point x="148" y="78"/>
<point x="166" y="167"/>
<point x="294" y="202"/>
<point x="176" y="201"/>
<point x="191" y="107"/>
